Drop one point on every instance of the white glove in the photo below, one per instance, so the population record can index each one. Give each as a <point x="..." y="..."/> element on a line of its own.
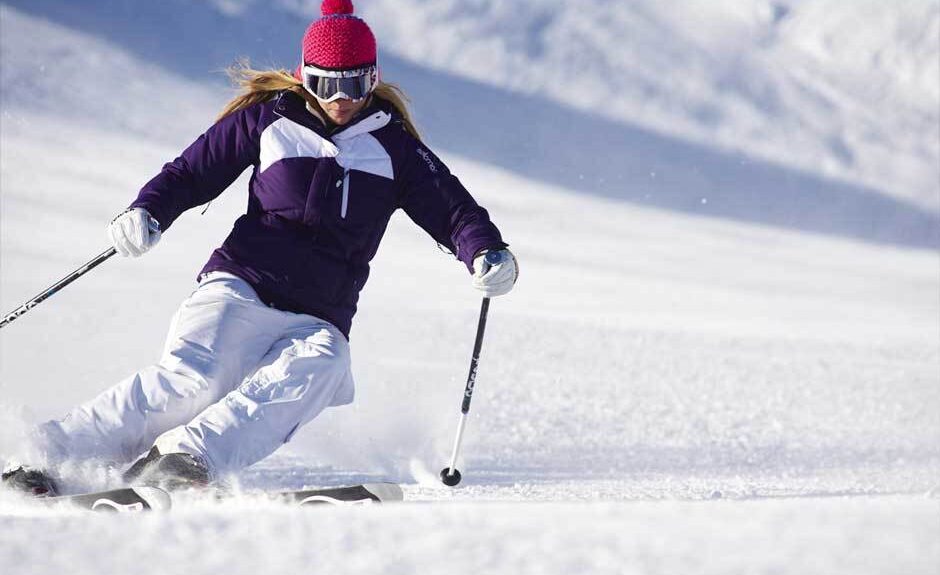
<point x="134" y="232"/>
<point x="495" y="272"/>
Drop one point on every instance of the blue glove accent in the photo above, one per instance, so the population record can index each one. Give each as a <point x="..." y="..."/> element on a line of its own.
<point x="494" y="257"/>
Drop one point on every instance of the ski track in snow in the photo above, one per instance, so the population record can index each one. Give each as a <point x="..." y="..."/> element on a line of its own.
<point x="662" y="393"/>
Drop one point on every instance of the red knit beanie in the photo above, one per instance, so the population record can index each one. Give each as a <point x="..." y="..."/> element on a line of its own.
<point x="338" y="40"/>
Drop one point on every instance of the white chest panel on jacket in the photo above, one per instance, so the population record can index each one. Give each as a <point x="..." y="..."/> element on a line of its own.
<point x="355" y="148"/>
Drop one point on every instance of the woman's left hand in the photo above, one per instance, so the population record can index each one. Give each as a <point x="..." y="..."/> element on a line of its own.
<point x="495" y="272"/>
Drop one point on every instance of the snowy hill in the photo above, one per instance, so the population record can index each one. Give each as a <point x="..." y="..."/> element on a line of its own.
<point x="718" y="359"/>
<point x="845" y="89"/>
<point x="815" y="104"/>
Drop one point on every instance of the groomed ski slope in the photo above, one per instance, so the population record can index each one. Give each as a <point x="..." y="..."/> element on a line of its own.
<point x="663" y="392"/>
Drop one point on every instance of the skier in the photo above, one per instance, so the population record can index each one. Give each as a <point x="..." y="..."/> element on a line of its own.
<point x="260" y="348"/>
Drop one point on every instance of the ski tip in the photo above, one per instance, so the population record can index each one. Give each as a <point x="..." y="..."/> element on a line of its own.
<point x="121" y="500"/>
<point x="386" y="492"/>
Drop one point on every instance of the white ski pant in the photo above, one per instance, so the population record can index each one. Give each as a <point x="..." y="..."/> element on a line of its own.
<point x="235" y="381"/>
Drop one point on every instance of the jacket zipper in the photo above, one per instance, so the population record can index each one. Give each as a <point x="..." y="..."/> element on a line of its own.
<point x="345" y="205"/>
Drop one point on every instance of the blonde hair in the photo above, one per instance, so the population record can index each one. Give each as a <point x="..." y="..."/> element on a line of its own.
<point x="263" y="85"/>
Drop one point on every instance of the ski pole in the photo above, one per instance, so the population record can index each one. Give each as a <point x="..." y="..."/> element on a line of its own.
<point x="449" y="475"/>
<point x="54" y="289"/>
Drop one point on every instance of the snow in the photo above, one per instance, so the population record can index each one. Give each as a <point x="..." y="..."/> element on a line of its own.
<point x="843" y="88"/>
<point x="828" y="536"/>
<point x="684" y="384"/>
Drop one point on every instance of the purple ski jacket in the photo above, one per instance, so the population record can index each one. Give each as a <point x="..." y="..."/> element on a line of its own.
<point x="319" y="200"/>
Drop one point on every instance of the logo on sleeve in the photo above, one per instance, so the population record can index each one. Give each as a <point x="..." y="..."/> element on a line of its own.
<point x="426" y="156"/>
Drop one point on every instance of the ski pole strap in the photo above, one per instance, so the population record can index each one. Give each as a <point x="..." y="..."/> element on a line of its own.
<point x="475" y="360"/>
<point x="58" y="286"/>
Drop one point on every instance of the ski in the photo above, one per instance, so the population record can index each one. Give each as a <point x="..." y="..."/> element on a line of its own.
<point x="123" y="500"/>
<point x="365" y="494"/>
<point x="139" y="499"/>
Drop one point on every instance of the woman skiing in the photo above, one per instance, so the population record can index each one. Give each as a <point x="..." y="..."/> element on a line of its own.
<point x="261" y="346"/>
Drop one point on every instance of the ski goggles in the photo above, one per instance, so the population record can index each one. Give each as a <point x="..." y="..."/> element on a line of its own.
<point x="330" y="85"/>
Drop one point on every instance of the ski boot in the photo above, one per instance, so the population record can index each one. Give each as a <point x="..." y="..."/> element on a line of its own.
<point x="30" y="481"/>
<point x="173" y="471"/>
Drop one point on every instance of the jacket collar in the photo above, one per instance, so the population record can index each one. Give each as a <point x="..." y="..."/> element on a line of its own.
<point x="294" y="108"/>
<point x="369" y="120"/>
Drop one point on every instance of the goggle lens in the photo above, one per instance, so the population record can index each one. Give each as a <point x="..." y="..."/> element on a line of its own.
<point x="329" y="87"/>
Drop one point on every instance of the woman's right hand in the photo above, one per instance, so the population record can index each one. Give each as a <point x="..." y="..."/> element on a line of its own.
<point x="134" y="232"/>
<point x="495" y="272"/>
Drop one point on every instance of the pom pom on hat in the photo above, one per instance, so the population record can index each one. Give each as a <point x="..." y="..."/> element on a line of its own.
<point x="338" y="40"/>
<point x="330" y="7"/>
